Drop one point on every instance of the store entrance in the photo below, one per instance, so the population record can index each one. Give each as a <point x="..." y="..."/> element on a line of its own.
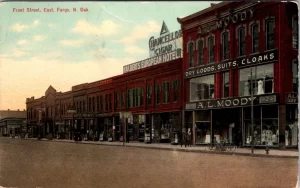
<point x="226" y="125"/>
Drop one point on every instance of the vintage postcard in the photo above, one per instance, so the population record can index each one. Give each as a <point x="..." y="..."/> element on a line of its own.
<point x="149" y="94"/>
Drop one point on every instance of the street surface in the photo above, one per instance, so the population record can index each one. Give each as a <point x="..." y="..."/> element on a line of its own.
<point x="28" y="163"/>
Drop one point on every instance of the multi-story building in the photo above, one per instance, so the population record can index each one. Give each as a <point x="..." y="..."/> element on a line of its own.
<point x="230" y="51"/>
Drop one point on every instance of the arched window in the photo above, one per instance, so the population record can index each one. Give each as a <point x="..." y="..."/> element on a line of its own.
<point x="225" y="45"/>
<point x="270" y="25"/>
<point x="200" y="45"/>
<point x="255" y="37"/>
<point x="242" y="41"/>
<point x="211" y="46"/>
<point x="191" y="54"/>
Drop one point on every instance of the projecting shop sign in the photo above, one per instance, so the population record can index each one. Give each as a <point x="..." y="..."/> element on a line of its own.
<point x="163" y="58"/>
<point x="166" y="42"/>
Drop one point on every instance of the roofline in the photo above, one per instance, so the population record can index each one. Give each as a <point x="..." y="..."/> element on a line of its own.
<point x="201" y="12"/>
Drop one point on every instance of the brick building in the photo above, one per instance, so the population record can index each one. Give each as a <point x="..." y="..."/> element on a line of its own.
<point x="230" y="50"/>
<point x="12" y="122"/>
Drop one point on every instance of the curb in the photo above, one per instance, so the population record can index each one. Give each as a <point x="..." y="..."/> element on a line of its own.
<point x="175" y="149"/>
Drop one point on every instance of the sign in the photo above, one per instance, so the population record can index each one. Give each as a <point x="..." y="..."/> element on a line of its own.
<point x="291" y="98"/>
<point x="232" y="102"/>
<point x="234" y="18"/>
<point x="257" y="59"/>
<point x="166" y="42"/>
<point x="152" y="61"/>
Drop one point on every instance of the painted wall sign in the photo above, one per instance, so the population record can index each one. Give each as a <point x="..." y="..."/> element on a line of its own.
<point x="291" y="98"/>
<point x="232" y="102"/>
<point x="234" y="18"/>
<point x="166" y="42"/>
<point x="163" y="58"/>
<point x="252" y="60"/>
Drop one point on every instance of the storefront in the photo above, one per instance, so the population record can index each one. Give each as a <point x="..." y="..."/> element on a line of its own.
<point x="291" y="129"/>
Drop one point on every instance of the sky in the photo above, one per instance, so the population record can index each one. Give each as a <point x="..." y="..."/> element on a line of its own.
<point x="63" y="49"/>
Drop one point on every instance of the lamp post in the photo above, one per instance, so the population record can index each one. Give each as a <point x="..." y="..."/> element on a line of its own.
<point x="252" y="124"/>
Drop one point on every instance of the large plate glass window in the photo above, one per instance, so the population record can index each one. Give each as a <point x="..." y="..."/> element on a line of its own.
<point x="226" y="84"/>
<point x="262" y="80"/>
<point x="202" y="88"/>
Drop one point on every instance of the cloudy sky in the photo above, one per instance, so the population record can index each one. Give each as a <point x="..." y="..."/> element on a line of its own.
<point x="62" y="49"/>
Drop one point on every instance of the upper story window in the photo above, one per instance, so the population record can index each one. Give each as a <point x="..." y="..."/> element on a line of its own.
<point x="225" y="45"/>
<point x="226" y="84"/>
<point x="200" y="45"/>
<point x="149" y="95"/>
<point x="202" y="88"/>
<point x="270" y="27"/>
<point x="122" y="99"/>
<point x="255" y="37"/>
<point x="175" y="90"/>
<point x="191" y="54"/>
<point x="110" y="101"/>
<point x="93" y="103"/>
<point x="97" y="102"/>
<point x="211" y="47"/>
<point x="157" y="93"/>
<point x="166" y="92"/>
<point x="116" y="100"/>
<point x="295" y="31"/>
<point x="295" y="76"/>
<point x="101" y="103"/>
<point x="106" y="102"/>
<point x="242" y="41"/>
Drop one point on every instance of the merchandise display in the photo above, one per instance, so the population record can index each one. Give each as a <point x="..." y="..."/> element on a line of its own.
<point x="260" y="89"/>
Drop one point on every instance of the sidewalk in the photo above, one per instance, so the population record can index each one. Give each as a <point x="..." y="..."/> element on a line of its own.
<point x="200" y="149"/>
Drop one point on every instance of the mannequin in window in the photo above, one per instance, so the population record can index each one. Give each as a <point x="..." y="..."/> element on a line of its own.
<point x="268" y="84"/>
<point x="260" y="89"/>
<point x="246" y="89"/>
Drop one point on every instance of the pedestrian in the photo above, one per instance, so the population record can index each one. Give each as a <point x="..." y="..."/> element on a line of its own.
<point x="189" y="137"/>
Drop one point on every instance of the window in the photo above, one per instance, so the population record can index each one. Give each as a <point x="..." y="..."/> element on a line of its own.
<point x="295" y="31"/>
<point x="225" y="84"/>
<point x="135" y="97"/>
<point x="149" y="95"/>
<point x="270" y="34"/>
<point x="101" y="103"/>
<point x="106" y="102"/>
<point x="175" y="90"/>
<point x="295" y="76"/>
<point x="83" y="104"/>
<point x="157" y="93"/>
<point x="122" y="99"/>
<point x="200" y="44"/>
<point x="262" y="80"/>
<point x="255" y="38"/>
<point x="225" y="45"/>
<point x="191" y="54"/>
<point x="166" y="92"/>
<point x="93" y="102"/>
<point x="202" y="88"/>
<point x="211" y="46"/>
<point x="110" y="101"/>
<point x="242" y="41"/>
<point x="97" y="108"/>
<point x="116" y="100"/>
<point x="142" y="97"/>
<point x="90" y="104"/>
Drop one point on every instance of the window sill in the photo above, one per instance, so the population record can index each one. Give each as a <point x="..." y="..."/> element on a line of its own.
<point x="270" y="50"/>
<point x="255" y="53"/>
<point x="241" y="56"/>
<point x="225" y="60"/>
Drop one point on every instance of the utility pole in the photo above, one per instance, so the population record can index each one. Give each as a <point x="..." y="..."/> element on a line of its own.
<point x="252" y="114"/>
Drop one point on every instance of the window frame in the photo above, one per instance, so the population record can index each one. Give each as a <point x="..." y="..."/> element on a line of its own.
<point x="190" y="51"/>
<point x="223" y="44"/>
<point x="200" y="51"/>
<point x="267" y="20"/>
<point x="240" y="41"/>
<point x="211" y="48"/>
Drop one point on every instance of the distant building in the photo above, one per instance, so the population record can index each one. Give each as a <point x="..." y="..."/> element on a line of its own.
<point x="12" y="121"/>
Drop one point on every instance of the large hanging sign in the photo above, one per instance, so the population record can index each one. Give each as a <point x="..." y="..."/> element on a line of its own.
<point x="252" y="60"/>
<point x="166" y="42"/>
<point x="163" y="58"/>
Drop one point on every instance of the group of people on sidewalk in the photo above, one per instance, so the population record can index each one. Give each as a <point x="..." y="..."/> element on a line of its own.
<point x="186" y="138"/>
